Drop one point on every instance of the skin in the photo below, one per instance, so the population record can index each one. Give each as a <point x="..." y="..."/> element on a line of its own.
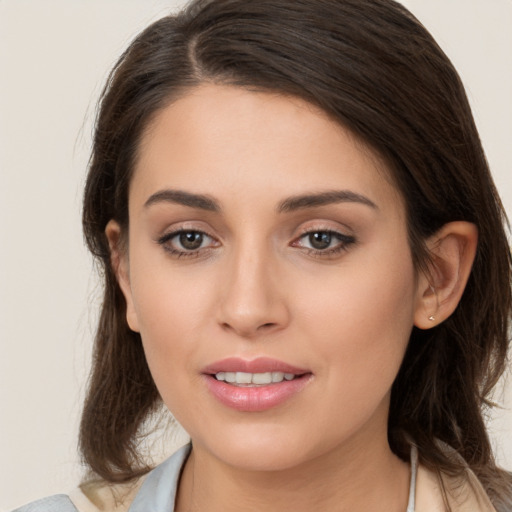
<point x="257" y="287"/>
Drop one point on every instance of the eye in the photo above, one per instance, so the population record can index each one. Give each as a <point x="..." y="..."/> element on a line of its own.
<point x="190" y="240"/>
<point x="320" y="240"/>
<point x="324" y="242"/>
<point x="186" y="242"/>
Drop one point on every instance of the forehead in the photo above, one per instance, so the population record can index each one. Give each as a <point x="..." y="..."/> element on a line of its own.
<point x="254" y="141"/>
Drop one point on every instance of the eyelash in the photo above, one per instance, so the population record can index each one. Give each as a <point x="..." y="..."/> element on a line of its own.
<point x="344" y="242"/>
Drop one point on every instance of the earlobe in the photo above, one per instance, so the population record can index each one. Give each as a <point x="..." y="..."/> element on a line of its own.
<point x="120" y="266"/>
<point x="452" y="252"/>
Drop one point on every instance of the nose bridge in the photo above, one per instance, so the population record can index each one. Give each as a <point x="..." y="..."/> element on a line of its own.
<point x="251" y="300"/>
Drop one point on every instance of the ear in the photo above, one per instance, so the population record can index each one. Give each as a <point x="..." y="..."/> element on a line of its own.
<point x="120" y="266"/>
<point x="452" y="251"/>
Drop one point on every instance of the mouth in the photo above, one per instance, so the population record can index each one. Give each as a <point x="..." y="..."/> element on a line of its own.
<point x="256" y="385"/>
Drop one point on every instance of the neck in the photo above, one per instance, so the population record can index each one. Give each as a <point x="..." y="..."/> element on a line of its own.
<point x="351" y="477"/>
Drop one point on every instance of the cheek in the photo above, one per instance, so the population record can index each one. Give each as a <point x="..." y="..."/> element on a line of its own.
<point x="361" y="323"/>
<point x="171" y="312"/>
<point x="169" y="327"/>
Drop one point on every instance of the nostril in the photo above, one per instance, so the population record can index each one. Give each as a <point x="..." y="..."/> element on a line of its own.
<point x="248" y="331"/>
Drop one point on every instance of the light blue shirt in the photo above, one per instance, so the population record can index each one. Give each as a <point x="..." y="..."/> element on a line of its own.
<point x="157" y="492"/>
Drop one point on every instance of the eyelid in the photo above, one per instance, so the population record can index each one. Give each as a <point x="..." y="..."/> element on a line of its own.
<point x="172" y="234"/>
<point x="185" y="226"/>
<point x="338" y="234"/>
<point x="324" y="225"/>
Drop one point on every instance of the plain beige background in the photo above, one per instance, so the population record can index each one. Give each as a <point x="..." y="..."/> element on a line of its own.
<point x="54" y="57"/>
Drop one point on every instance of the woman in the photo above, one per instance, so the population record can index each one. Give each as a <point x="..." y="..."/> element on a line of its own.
<point x="304" y="261"/>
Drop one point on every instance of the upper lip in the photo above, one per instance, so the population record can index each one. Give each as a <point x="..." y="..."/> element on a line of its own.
<point x="258" y="365"/>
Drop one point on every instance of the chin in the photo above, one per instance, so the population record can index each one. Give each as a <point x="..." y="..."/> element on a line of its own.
<point x="266" y="449"/>
<point x="268" y="456"/>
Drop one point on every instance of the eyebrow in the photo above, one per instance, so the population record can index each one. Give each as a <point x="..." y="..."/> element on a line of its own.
<point x="322" y="199"/>
<point x="203" y="202"/>
<point x="290" y="204"/>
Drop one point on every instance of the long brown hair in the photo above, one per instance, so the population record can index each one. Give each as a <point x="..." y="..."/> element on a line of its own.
<point x="375" y="69"/>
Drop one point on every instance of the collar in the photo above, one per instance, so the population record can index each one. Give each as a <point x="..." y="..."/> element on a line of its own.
<point x="158" y="492"/>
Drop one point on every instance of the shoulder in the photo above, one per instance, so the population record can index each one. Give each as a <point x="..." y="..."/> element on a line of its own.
<point x="155" y="490"/>
<point x="91" y="497"/>
<point x="57" y="503"/>
<point x="441" y="492"/>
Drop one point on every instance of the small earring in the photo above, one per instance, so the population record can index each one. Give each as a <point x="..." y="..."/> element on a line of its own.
<point x="431" y="318"/>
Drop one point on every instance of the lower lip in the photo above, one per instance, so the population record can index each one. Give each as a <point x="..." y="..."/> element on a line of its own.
<point x="257" y="398"/>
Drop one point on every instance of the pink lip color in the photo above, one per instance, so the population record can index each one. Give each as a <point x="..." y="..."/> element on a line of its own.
<point x="259" y="365"/>
<point x="258" y="398"/>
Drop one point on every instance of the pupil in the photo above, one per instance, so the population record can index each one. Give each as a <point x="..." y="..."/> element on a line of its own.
<point x="320" y="240"/>
<point x="191" y="240"/>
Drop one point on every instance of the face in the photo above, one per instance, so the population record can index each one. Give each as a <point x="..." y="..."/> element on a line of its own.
<point x="269" y="274"/>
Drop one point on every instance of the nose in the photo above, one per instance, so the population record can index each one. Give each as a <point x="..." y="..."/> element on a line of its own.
<point x="252" y="302"/>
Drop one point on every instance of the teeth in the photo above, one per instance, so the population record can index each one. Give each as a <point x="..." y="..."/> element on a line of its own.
<point x="277" y="376"/>
<point x="254" y="378"/>
<point x="261" y="378"/>
<point x="243" y="378"/>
